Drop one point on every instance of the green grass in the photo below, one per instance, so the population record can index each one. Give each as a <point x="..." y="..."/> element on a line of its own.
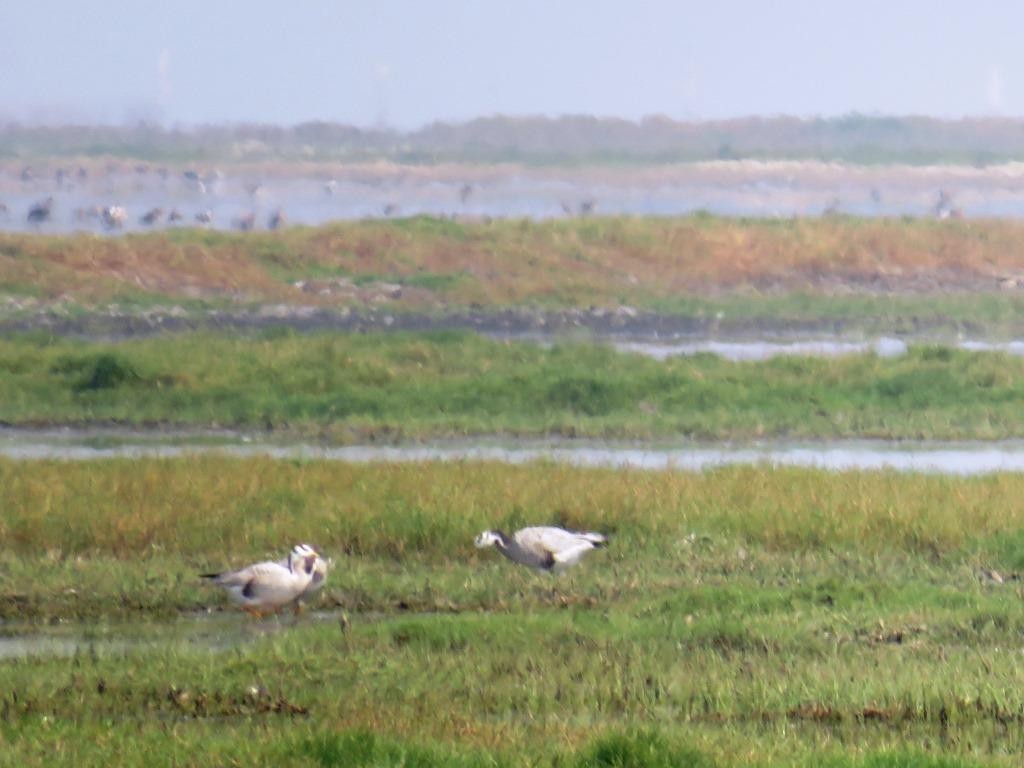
<point x="746" y="616"/>
<point x="359" y="387"/>
<point x="936" y="316"/>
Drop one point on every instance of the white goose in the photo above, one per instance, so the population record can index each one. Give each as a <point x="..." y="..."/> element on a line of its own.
<point x="267" y="587"/>
<point x="546" y="548"/>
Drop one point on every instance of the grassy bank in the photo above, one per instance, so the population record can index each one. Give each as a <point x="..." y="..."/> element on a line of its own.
<point x="741" y="617"/>
<point x="360" y="387"/>
<point x="151" y="524"/>
<point x="769" y="268"/>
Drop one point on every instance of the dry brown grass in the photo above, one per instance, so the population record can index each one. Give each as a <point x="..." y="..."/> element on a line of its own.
<point x="601" y="261"/>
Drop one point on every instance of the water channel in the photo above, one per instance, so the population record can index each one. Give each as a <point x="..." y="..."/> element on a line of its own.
<point x="957" y="458"/>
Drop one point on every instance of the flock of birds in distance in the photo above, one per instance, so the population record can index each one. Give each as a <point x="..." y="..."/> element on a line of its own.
<point x="265" y="588"/>
<point x="115" y="217"/>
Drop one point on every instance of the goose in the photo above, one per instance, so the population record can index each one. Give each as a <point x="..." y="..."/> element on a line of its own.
<point x="544" y="547"/>
<point x="277" y="220"/>
<point x="267" y="587"/>
<point x="114" y="216"/>
<point x="40" y="212"/>
<point x="152" y="216"/>
<point x="246" y="222"/>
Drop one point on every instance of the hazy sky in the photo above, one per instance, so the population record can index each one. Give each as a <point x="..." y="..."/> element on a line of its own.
<point x="409" y="62"/>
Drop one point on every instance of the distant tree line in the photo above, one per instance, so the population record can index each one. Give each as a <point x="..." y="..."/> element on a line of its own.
<point x="853" y="138"/>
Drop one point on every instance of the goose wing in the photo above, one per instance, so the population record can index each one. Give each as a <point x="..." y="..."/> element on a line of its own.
<point x="270" y="583"/>
<point x="262" y="583"/>
<point x="556" y="540"/>
<point x="241" y="577"/>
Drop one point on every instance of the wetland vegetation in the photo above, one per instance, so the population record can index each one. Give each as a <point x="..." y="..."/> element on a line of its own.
<point x="356" y="387"/>
<point x="773" y="617"/>
<point x="876" y="275"/>
<point x="741" y="616"/>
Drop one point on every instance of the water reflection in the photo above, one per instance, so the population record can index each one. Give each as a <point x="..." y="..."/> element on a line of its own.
<point x="211" y="632"/>
<point x="763" y="350"/>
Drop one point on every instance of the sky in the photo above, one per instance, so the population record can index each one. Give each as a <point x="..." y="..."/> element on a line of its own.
<point x="407" y="63"/>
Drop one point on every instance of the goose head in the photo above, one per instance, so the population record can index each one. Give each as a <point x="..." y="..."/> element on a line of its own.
<point x="303" y="559"/>
<point x="321" y="567"/>
<point x="489" y="539"/>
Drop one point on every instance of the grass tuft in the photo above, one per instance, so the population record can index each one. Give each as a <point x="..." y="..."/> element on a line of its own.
<point x="640" y="749"/>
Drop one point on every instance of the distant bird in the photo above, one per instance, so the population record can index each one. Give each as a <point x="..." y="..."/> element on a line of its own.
<point x="464" y="193"/>
<point x="944" y="208"/>
<point x="330" y="187"/>
<point x="546" y="548"/>
<point x="174" y="216"/>
<point x="391" y="209"/>
<point x="195" y="181"/>
<point x="246" y="222"/>
<point x="266" y="587"/>
<point x="277" y="220"/>
<point x="114" y="216"/>
<point x="4" y="212"/>
<point x="152" y="216"/>
<point x="205" y="217"/>
<point x="41" y="211"/>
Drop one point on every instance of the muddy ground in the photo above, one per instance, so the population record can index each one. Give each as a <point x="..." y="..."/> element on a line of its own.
<point x="624" y="324"/>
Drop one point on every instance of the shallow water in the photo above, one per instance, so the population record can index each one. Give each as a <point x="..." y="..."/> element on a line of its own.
<point x="212" y="632"/>
<point x="763" y="350"/>
<point x="754" y="350"/>
<point x="956" y="458"/>
<point x="737" y="189"/>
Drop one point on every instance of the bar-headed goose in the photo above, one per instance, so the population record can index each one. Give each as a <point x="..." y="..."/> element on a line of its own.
<point x="267" y="587"/>
<point x="544" y="547"/>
